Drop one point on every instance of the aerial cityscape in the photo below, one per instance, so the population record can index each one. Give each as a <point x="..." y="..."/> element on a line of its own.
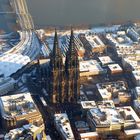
<point x="70" y="82"/>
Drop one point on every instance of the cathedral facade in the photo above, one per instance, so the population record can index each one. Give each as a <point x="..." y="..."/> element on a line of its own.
<point x="63" y="78"/>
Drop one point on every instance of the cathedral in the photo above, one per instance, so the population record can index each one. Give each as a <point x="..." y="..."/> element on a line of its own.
<point x="63" y="78"/>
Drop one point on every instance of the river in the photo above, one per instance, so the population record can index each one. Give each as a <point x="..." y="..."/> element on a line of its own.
<point x="7" y="18"/>
<point x="69" y="12"/>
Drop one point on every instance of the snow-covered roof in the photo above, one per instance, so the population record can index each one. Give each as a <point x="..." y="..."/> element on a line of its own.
<point x="136" y="74"/>
<point x="105" y="60"/>
<point x="16" y="105"/>
<point x="90" y="65"/>
<point x="63" y="124"/>
<point x="115" y="68"/>
<point x="10" y="63"/>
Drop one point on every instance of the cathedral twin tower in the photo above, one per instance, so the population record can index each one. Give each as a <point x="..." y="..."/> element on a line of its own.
<point x="64" y="79"/>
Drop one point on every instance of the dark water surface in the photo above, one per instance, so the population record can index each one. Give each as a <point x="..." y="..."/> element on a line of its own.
<point x="7" y="18"/>
<point x="66" y="12"/>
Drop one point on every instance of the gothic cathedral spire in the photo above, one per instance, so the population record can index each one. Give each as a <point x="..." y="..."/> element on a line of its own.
<point x="72" y="72"/>
<point x="56" y="75"/>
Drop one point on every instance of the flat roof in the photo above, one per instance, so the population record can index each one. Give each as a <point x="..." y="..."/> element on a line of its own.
<point x="115" y="67"/>
<point x="106" y="103"/>
<point x="128" y="110"/>
<point x="108" y="88"/>
<point x="90" y="66"/>
<point x="106" y="116"/>
<point x="114" y="115"/>
<point x="132" y="132"/>
<point x="17" y="105"/>
<point x="105" y="60"/>
<point x="120" y="38"/>
<point x="88" y="104"/>
<point x="20" y="132"/>
<point x="88" y="134"/>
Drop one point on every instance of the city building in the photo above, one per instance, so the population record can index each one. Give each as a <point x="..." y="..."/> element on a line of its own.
<point x="133" y="34"/>
<point x="116" y="91"/>
<point x="56" y="75"/>
<point x="131" y="63"/>
<point x="64" y="41"/>
<point x="118" y="38"/>
<point x="18" y="110"/>
<point x="113" y="120"/>
<point x="121" y="43"/>
<point x="136" y="77"/>
<point x="26" y="132"/>
<point x="90" y="68"/>
<point x="105" y="104"/>
<point x="137" y="93"/>
<point x="72" y="72"/>
<point x="115" y="69"/>
<point x="104" y="120"/>
<point x="105" y="60"/>
<point x="63" y="80"/>
<point x="11" y="63"/>
<point x="64" y="44"/>
<point x="63" y="126"/>
<point x="136" y="104"/>
<point x="96" y="43"/>
<point x="82" y="126"/>
<point x="86" y="68"/>
<point x="86" y="105"/>
<point x="89" y="136"/>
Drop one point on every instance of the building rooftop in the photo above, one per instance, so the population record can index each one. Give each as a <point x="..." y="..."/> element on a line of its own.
<point x="137" y="105"/>
<point x="106" y="104"/>
<point x="82" y="126"/>
<point x="94" y="41"/>
<point x="63" y="126"/>
<point x="115" y="68"/>
<point x="119" y="38"/>
<point x="136" y="74"/>
<point x="132" y="132"/>
<point x="16" y="105"/>
<point x="23" y="132"/>
<point x="129" y="114"/>
<point x="88" y="104"/>
<point x="90" y="66"/>
<point x="64" y="43"/>
<point x="105" y="60"/>
<point x="10" y="63"/>
<point x="88" y="135"/>
<point x="137" y="89"/>
<point x="107" y="116"/>
<point x="113" y="90"/>
<point x="133" y="61"/>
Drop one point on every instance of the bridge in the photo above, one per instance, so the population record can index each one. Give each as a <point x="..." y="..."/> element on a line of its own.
<point x="24" y="17"/>
<point x="29" y="44"/>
